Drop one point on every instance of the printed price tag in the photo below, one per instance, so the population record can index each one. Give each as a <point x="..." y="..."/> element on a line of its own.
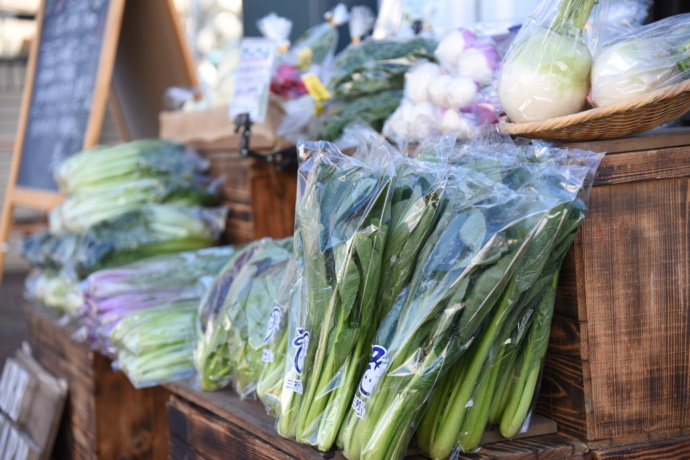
<point x="316" y="89"/>
<point x="294" y="385"/>
<point x="253" y="78"/>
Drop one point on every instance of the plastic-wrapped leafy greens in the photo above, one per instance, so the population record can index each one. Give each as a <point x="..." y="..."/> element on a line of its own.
<point x="212" y="355"/>
<point x="110" y="295"/>
<point x="250" y="301"/>
<point x="103" y="165"/>
<point x="376" y="65"/>
<point x="367" y="83"/>
<point x="149" y="231"/>
<point x="156" y="345"/>
<point x="482" y="256"/>
<point x="55" y="289"/>
<point x="96" y="203"/>
<point x="460" y="408"/>
<point x="270" y="381"/>
<point x="372" y="109"/>
<point x="343" y="217"/>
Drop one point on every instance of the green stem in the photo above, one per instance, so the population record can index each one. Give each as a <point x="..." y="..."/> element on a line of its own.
<point x="573" y="14"/>
<point x="448" y="433"/>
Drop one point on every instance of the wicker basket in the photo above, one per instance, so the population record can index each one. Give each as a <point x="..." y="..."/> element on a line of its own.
<point x="617" y="120"/>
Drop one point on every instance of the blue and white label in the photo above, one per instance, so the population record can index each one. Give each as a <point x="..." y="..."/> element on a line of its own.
<point x="375" y="369"/>
<point x="267" y="356"/>
<point x="274" y="320"/>
<point x="358" y="407"/>
<point x="301" y="342"/>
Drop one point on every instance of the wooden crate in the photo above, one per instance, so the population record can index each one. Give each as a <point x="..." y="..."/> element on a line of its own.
<point x="618" y="367"/>
<point x="261" y="199"/>
<point x="105" y="417"/>
<point x="219" y="425"/>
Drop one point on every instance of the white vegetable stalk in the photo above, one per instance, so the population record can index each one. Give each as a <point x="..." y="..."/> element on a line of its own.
<point x="547" y="74"/>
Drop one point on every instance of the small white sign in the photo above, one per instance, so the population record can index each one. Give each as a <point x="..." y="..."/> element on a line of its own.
<point x="253" y="78"/>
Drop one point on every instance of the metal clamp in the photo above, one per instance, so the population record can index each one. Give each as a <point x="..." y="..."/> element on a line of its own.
<point x="282" y="159"/>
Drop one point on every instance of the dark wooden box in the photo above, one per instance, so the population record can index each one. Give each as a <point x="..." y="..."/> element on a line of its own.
<point x="220" y="426"/>
<point x="260" y="198"/>
<point x="618" y="367"/>
<point x="105" y="417"/>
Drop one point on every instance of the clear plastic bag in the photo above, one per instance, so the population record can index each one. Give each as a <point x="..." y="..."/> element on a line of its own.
<point x="250" y="303"/>
<point x="471" y="382"/>
<point x="485" y="253"/>
<point x="110" y="295"/>
<point x="649" y="57"/>
<point x="270" y="381"/>
<point x="625" y="16"/>
<point x="152" y="230"/>
<point x="546" y="72"/>
<point x="343" y="215"/>
<point x="141" y="158"/>
<point x="212" y="355"/>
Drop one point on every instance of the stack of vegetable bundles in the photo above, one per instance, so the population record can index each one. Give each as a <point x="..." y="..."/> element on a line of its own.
<point x="425" y="281"/>
<point x="144" y="313"/>
<point x="233" y="314"/>
<point x="125" y="203"/>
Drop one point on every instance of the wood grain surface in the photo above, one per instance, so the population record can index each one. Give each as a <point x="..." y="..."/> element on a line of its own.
<point x="105" y="417"/>
<point x="618" y="368"/>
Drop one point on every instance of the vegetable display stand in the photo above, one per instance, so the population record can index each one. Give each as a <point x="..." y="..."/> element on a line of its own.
<point x="219" y="425"/>
<point x="105" y="417"/>
<point x="260" y="197"/>
<point x="617" y="374"/>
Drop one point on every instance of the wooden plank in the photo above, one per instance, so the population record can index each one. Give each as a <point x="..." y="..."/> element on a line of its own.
<point x="562" y="395"/>
<point x="656" y="139"/>
<point x="649" y="165"/>
<point x="105" y="416"/>
<point x="142" y="431"/>
<point x="569" y="338"/>
<point x="273" y="199"/>
<point x="180" y="450"/>
<point x="218" y="439"/>
<point x="247" y="415"/>
<point x="551" y="446"/>
<point x="670" y="449"/>
<point x="636" y="257"/>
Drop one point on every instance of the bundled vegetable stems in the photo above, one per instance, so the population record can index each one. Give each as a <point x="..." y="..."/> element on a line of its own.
<point x="480" y="272"/>
<point x="156" y="345"/>
<point x="109" y="295"/>
<point x="343" y="218"/>
<point x="460" y="406"/>
<point x="250" y="300"/>
<point x="270" y="382"/>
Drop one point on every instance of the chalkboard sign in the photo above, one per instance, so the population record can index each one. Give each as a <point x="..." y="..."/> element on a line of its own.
<point x="62" y="96"/>
<point x="89" y="53"/>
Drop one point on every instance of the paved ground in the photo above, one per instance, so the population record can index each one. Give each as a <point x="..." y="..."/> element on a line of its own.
<point x="12" y="322"/>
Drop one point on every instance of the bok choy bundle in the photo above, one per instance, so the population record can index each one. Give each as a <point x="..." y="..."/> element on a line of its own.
<point x="112" y="294"/>
<point x="481" y="268"/>
<point x="343" y="216"/>
<point x="232" y="315"/>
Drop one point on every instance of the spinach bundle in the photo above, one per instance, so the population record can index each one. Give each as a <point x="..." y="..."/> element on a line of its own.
<point x="343" y="215"/>
<point x="249" y="302"/>
<point x="472" y="277"/>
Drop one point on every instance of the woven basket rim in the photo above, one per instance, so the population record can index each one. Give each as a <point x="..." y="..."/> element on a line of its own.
<point x="556" y="123"/>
